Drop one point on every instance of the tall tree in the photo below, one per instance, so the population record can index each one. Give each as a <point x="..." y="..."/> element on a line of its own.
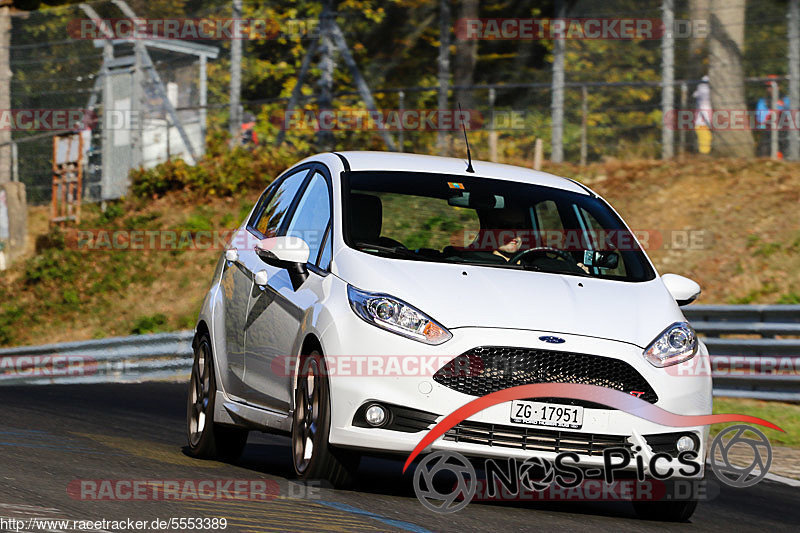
<point x="444" y="68"/>
<point x="726" y="48"/>
<point x="466" y="56"/>
<point x="698" y="11"/>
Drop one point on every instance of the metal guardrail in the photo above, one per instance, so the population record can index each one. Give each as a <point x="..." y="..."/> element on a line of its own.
<point x="756" y="364"/>
<point x="764" y="367"/>
<point x="159" y="356"/>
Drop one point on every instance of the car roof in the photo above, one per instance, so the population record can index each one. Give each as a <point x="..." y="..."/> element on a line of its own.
<point x="405" y="162"/>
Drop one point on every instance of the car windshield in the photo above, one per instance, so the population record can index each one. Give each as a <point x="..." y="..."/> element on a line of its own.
<point x="488" y="222"/>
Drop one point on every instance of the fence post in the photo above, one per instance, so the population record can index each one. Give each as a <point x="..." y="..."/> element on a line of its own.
<point x="584" y="117"/>
<point x="773" y="124"/>
<point x="537" y="154"/>
<point x="492" y="131"/>
<point x="14" y="162"/>
<point x="203" y="90"/>
<point x="401" y="107"/>
<point x="682" y="131"/>
<point x="667" y="79"/>
<point x="794" y="76"/>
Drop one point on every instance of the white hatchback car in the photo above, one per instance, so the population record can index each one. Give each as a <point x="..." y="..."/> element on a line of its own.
<point x="406" y="259"/>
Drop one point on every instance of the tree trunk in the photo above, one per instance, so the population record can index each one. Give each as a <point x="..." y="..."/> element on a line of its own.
<point x="5" y="92"/>
<point x="444" y="69"/>
<point x="698" y="11"/>
<point x="326" y="67"/>
<point x="557" y="87"/>
<point x="726" y="48"/>
<point x="465" y="58"/>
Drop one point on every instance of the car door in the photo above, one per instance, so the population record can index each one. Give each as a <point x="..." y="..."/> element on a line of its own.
<point x="277" y="310"/>
<point x="237" y="280"/>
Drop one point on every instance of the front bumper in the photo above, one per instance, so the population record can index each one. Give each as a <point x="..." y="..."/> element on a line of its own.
<point x="682" y="394"/>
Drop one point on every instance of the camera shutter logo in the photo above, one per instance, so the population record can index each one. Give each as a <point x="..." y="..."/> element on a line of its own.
<point x="536" y="474"/>
<point x="740" y="476"/>
<point x="460" y="495"/>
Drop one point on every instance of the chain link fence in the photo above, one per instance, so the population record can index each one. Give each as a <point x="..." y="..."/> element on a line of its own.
<point x="613" y="94"/>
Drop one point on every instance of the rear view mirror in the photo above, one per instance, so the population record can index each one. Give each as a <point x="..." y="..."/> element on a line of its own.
<point x="609" y="259"/>
<point x="684" y="290"/>
<point x="477" y="200"/>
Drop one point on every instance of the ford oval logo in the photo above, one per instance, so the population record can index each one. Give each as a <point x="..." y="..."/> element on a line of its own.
<point x="552" y="340"/>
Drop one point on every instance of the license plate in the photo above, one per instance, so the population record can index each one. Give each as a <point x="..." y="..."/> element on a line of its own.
<point x="546" y="414"/>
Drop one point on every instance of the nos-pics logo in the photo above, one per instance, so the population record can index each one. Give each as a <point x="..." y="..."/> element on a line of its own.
<point x="446" y="482"/>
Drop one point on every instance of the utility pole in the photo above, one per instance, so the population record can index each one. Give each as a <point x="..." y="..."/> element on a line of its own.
<point x="794" y="75"/>
<point x="667" y="79"/>
<point x="444" y="70"/>
<point x="5" y="89"/>
<point x="235" y="120"/>
<point x="557" y="103"/>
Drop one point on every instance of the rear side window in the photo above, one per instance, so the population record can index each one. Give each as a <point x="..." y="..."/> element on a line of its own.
<point x="277" y="207"/>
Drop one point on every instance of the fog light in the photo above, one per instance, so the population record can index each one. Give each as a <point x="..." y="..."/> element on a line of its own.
<point x="685" y="444"/>
<point x="375" y="415"/>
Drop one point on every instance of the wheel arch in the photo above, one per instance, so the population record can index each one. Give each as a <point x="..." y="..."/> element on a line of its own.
<point x="310" y="343"/>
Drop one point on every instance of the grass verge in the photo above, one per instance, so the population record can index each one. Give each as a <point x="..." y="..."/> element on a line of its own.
<point x="784" y="415"/>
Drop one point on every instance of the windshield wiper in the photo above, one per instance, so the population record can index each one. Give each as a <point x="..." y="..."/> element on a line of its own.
<point x="401" y="251"/>
<point x="551" y="271"/>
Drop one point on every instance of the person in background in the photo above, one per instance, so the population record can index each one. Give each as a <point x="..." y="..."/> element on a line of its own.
<point x="702" y="118"/>
<point x="248" y="136"/>
<point x="765" y="115"/>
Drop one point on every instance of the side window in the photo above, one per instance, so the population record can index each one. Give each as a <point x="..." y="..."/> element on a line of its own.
<point x="548" y="216"/>
<point x="275" y="211"/>
<point x="327" y="253"/>
<point x="310" y="219"/>
<point x="260" y="204"/>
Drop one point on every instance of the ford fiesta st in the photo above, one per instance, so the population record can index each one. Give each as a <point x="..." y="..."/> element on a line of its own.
<point x="427" y="266"/>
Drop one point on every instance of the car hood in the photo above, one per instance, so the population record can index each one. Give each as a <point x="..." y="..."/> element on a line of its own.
<point x="473" y="296"/>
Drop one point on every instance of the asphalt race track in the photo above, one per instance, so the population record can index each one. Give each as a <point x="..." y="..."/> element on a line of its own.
<point x="51" y="436"/>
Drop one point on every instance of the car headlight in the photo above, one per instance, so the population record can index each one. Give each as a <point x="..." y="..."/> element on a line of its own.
<point x="678" y="343"/>
<point x="395" y="315"/>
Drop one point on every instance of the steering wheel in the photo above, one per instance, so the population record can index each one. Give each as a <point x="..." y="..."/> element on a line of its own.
<point x="543" y="250"/>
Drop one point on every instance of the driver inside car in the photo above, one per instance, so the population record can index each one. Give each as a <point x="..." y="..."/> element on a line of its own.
<point x="501" y="241"/>
<point x="500" y="236"/>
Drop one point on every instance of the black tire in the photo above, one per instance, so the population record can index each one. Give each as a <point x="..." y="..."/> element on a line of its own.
<point x="311" y="425"/>
<point x="207" y="439"/>
<point x="676" y="511"/>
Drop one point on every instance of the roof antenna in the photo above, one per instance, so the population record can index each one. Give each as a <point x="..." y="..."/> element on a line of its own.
<point x="469" y="155"/>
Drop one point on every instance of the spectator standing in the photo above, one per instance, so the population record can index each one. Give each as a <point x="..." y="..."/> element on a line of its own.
<point x="702" y="117"/>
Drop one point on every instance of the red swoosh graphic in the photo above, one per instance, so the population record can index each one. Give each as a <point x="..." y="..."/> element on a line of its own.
<point x="591" y="393"/>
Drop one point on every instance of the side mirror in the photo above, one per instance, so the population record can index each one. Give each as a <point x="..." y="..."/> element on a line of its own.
<point x="286" y="252"/>
<point x="684" y="290"/>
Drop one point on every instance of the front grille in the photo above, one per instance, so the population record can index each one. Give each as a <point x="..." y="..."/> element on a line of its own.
<point x="488" y="369"/>
<point x="534" y="439"/>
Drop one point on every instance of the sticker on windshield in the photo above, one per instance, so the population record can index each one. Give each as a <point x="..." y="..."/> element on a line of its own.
<point x="454" y="185"/>
<point x="588" y="257"/>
